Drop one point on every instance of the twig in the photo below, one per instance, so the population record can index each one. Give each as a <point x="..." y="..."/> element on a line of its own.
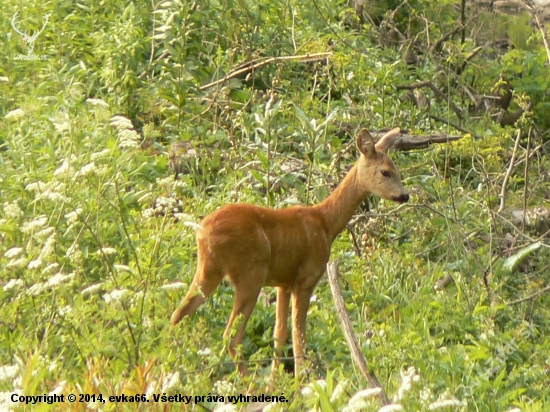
<point x="508" y="173"/>
<point x="437" y="92"/>
<point x="469" y="57"/>
<point x="259" y="63"/>
<point x="445" y="36"/>
<point x="544" y="34"/>
<point x="356" y="355"/>
<point x="533" y="296"/>
<point x="453" y="125"/>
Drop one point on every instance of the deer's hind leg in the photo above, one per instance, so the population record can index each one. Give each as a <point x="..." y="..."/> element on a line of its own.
<point x="248" y="285"/>
<point x="207" y="278"/>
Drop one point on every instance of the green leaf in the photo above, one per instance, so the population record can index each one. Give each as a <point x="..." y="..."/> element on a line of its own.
<point x="513" y="261"/>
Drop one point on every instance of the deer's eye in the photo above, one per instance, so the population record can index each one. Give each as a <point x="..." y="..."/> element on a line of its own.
<point x="385" y="173"/>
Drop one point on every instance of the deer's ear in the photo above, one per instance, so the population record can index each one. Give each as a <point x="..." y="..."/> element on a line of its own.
<point x="387" y="140"/>
<point x="365" y="143"/>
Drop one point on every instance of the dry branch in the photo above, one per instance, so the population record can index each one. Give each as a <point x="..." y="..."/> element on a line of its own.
<point x="410" y="142"/>
<point x="356" y="355"/>
<point x="259" y="63"/>
<point x="437" y="92"/>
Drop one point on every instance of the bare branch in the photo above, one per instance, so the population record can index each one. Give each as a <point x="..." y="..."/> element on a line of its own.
<point x="258" y="63"/>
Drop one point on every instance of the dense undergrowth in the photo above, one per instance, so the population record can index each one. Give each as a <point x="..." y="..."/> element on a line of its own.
<point x="97" y="237"/>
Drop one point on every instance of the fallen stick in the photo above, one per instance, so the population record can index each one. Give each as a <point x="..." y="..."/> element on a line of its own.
<point x="343" y="316"/>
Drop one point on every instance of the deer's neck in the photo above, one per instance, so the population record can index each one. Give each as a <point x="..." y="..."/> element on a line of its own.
<point x="339" y="207"/>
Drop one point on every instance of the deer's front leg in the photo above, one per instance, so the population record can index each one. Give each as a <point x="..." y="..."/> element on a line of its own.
<point x="300" y="305"/>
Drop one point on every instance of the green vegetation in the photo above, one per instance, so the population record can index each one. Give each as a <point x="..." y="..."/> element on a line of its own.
<point x="97" y="237"/>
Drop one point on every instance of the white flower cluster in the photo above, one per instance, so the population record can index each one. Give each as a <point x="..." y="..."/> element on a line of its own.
<point x="360" y="401"/>
<point x="52" y="191"/>
<point x="34" y="225"/>
<point x="90" y="290"/>
<point x="52" y="283"/>
<point x="12" y="210"/>
<point x="170" y="381"/>
<point x="128" y="138"/>
<point x="13" y="284"/>
<point x="163" y="205"/>
<point x="116" y="296"/>
<point x="174" y="286"/>
<point x="15" y="114"/>
<point x="97" y="102"/>
<point x="65" y="169"/>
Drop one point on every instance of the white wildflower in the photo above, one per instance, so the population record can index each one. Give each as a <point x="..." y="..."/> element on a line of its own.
<point x="174" y="286"/>
<point x="64" y="311"/>
<point x="309" y="391"/>
<point x="12" y="210"/>
<point x="48" y="248"/>
<point x="98" y="155"/>
<point x="224" y="388"/>
<point x="193" y="225"/>
<point x="121" y="122"/>
<point x="391" y="408"/>
<point x="13" y="252"/>
<point x="446" y="403"/>
<point x="407" y="378"/>
<point x="36" y="289"/>
<point x="339" y="391"/>
<point x="58" y="279"/>
<point x="13" y="284"/>
<point x="170" y="381"/>
<point x="128" y="139"/>
<point x="72" y="217"/>
<point x="73" y="252"/>
<point x="64" y="169"/>
<point x="44" y="233"/>
<point x="61" y="127"/>
<point x="4" y="79"/>
<point x="97" y="102"/>
<point x="313" y="298"/>
<point x="34" y="264"/>
<point x="115" y="296"/>
<point x="514" y="410"/>
<point x="148" y="213"/>
<point x="58" y="390"/>
<point x="363" y="395"/>
<point x="107" y="251"/>
<point x="15" y="114"/>
<point x="8" y="372"/>
<point x="204" y="352"/>
<point x="151" y="389"/>
<point x="18" y="263"/>
<point x="92" y="289"/>
<point x="165" y="181"/>
<point x="87" y="169"/>
<point x="145" y="198"/>
<point x="52" y="267"/>
<point x="350" y="76"/>
<point x="123" y="268"/>
<point x="29" y="227"/>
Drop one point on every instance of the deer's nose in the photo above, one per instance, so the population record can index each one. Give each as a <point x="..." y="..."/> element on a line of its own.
<point x="402" y="199"/>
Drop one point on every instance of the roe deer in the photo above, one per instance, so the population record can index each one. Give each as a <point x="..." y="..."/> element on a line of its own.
<point x="289" y="248"/>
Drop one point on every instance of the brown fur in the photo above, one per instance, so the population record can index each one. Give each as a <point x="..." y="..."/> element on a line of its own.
<point x="255" y="247"/>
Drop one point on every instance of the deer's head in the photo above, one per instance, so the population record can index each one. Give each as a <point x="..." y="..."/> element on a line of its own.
<point x="376" y="171"/>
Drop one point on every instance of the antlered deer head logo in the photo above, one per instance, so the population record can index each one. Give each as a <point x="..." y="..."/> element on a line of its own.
<point x="29" y="40"/>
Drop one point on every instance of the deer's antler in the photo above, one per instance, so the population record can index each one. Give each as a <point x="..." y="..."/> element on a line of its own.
<point x="13" y="24"/>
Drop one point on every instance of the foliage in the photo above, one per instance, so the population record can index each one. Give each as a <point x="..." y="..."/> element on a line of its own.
<point x="97" y="236"/>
